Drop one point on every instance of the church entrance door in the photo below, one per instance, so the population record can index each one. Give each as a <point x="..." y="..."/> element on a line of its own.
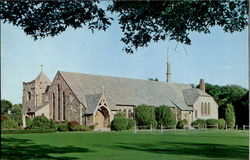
<point x="102" y="119"/>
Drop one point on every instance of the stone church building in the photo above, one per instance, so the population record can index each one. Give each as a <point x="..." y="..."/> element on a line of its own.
<point x="94" y="100"/>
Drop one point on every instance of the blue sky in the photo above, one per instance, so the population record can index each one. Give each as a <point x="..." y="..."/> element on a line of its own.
<point x="219" y="58"/>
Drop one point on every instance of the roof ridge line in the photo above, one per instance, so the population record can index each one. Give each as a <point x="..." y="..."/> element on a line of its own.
<point x="89" y="74"/>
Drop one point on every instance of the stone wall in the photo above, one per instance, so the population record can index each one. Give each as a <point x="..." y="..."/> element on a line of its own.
<point x="127" y="110"/>
<point x="88" y="120"/>
<point x="29" y="100"/>
<point x="33" y="94"/>
<point x="213" y="113"/>
<point x="73" y="108"/>
<point x="43" y="111"/>
<point x="187" y="115"/>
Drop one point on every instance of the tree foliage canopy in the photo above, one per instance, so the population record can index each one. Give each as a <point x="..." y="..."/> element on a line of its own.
<point x="231" y="94"/>
<point x="141" y="21"/>
<point x="229" y="115"/>
<point x="225" y="94"/>
<point x="164" y="116"/>
<point x="49" y="18"/>
<point x="5" y="106"/>
<point x="145" y="115"/>
<point x="16" y="113"/>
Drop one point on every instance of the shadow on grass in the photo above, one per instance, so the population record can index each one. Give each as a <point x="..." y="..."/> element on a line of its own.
<point x="202" y="150"/>
<point x="13" y="148"/>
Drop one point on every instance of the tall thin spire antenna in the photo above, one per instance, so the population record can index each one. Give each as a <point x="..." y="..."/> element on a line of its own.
<point x="168" y="74"/>
<point x="41" y="67"/>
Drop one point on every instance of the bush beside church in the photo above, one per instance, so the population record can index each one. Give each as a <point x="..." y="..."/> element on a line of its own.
<point x="144" y="116"/>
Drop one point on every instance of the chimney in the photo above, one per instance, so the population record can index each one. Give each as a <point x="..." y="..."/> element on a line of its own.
<point x="202" y="85"/>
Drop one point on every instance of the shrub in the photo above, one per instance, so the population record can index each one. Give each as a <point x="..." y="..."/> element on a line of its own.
<point x="16" y="114"/>
<point x="144" y="115"/>
<point x="52" y="124"/>
<point x="9" y="124"/>
<point x="230" y="115"/>
<point x="221" y="123"/>
<point x="77" y="128"/>
<point x="22" y="131"/>
<point x="28" y="121"/>
<point x="164" y="116"/>
<point x="41" y="122"/>
<point x="212" y="122"/>
<point x="5" y="117"/>
<point x="86" y="128"/>
<point x="92" y="127"/>
<point x="73" y="125"/>
<point x="57" y="122"/>
<point x="182" y="123"/>
<point x="62" y="127"/>
<point x="154" y="123"/>
<point x="200" y="122"/>
<point x="130" y="123"/>
<point x="119" y="124"/>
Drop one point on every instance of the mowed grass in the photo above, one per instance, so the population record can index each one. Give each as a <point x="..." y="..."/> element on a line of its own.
<point x="189" y="145"/>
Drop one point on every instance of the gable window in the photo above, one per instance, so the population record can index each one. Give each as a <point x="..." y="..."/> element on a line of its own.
<point x="208" y="108"/>
<point x="202" y="108"/>
<point x="59" y="109"/>
<point x="53" y="106"/>
<point x="64" y="106"/>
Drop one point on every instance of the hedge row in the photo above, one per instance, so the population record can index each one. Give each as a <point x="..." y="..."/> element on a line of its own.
<point x="22" y="131"/>
<point x="72" y="126"/>
<point x="211" y="123"/>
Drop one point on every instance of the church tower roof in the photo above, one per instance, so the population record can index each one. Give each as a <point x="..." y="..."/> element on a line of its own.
<point x="42" y="77"/>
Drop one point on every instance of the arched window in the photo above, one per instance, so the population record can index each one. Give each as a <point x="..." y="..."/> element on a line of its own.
<point x="29" y="96"/>
<point x="208" y="108"/>
<point x="130" y="113"/>
<point x="125" y="112"/>
<point x="202" y="108"/>
<point x="53" y="105"/>
<point x="59" y="109"/>
<point x="205" y="107"/>
<point x="64" y="106"/>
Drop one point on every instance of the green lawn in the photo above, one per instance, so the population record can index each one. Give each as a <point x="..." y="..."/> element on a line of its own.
<point x="189" y="145"/>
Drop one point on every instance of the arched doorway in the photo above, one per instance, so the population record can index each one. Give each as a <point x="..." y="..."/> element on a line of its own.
<point x="102" y="118"/>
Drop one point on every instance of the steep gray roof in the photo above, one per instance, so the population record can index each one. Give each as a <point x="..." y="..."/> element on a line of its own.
<point x="45" y="81"/>
<point x="126" y="91"/>
<point x="42" y="77"/>
<point x="92" y="102"/>
<point x="191" y="95"/>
